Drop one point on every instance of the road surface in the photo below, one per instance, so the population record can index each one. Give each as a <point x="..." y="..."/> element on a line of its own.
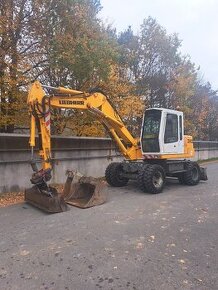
<point x="134" y="241"/>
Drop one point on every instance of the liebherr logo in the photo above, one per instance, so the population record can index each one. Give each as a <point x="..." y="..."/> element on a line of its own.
<point x="68" y="102"/>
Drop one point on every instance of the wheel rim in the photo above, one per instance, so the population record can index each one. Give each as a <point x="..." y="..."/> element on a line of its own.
<point x="194" y="174"/>
<point x="157" y="179"/>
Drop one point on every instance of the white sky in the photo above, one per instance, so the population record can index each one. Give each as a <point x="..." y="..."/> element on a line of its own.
<point x="195" y="21"/>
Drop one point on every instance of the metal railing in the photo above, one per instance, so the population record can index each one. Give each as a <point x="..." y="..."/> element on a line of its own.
<point x="205" y="145"/>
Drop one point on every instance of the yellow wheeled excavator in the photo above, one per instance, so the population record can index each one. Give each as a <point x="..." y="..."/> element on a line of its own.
<point x="162" y="150"/>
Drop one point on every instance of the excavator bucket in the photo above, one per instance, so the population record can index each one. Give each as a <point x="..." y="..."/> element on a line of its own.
<point x="78" y="190"/>
<point x="48" y="200"/>
<point x="85" y="192"/>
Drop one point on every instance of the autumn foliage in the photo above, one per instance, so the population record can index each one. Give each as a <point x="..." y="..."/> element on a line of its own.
<point x="65" y="43"/>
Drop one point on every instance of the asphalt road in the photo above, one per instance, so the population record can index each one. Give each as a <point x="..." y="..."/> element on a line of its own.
<point x="134" y="241"/>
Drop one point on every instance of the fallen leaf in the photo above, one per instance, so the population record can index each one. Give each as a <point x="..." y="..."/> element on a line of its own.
<point x="24" y="253"/>
<point x="204" y="210"/>
<point x="139" y="246"/>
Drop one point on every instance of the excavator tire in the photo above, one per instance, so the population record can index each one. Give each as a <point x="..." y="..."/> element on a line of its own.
<point x="181" y="178"/>
<point x="140" y="178"/>
<point x="152" y="178"/>
<point x="193" y="174"/>
<point x="112" y="175"/>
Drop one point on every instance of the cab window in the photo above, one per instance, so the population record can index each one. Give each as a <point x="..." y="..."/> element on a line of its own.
<point x="151" y="128"/>
<point x="171" y="130"/>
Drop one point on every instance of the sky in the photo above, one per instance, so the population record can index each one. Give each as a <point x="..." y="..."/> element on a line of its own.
<point x="195" y="21"/>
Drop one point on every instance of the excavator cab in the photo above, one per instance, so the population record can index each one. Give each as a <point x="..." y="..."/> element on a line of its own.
<point x="163" y="132"/>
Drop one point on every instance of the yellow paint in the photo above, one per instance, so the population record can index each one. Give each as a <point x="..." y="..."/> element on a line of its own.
<point x="32" y="131"/>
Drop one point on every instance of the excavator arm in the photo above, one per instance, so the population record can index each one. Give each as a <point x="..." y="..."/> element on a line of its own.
<point x="94" y="102"/>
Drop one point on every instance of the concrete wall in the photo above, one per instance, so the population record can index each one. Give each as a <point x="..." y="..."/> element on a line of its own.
<point x="206" y="150"/>
<point x="90" y="156"/>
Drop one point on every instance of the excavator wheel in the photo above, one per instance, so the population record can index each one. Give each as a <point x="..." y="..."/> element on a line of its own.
<point x="113" y="175"/>
<point x="181" y="178"/>
<point x="140" y="178"/>
<point x="151" y="178"/>
<point x="193" y="174"/>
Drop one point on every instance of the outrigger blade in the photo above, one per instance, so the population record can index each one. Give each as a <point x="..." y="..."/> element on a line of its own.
<point x="85" y="192"/>
<point x="50" y="200"/>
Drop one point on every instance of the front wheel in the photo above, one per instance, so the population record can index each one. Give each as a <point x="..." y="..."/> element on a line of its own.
<point x="193" y="174"/>
<point x="113" y="175"/>
<point x="151" y="178"/>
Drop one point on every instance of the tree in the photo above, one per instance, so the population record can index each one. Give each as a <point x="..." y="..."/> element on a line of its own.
<point x="20" y="51"/>
<point x="158" y="56"/>
<point x="80" y="53"/>
<point x="58" y="42"/>
<point x="65" y="43"/>
<point x="204" y="117"/>
<point x="79" y="50"/>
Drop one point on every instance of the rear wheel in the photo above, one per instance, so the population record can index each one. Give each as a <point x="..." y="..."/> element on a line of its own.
<point x="113" y="175"/>
<point x="151" y="178"/>
<point x="193" y="174"/>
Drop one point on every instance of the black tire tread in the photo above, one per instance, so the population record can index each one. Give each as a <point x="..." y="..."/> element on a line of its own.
<point x="188" y="176"/>
<point x="112" y="175"/>
<point x="145" y="178"/>
<point x="181" y="178"/>
<point x="148" y="178"/>
<point x="140" y="178"/>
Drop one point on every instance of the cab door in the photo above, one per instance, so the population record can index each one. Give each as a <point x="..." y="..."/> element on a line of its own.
<point x="173" y="142"/>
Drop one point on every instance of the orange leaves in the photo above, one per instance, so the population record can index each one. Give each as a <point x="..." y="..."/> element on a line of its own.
<point x="83" y="124"/>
